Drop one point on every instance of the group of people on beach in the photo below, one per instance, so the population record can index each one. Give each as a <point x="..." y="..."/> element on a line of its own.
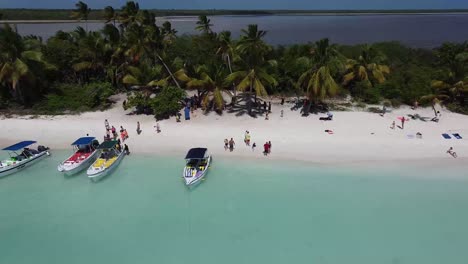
<point x="111" y="129"/>
<point x="123" y="136"/>
<point x="230" y="144"/>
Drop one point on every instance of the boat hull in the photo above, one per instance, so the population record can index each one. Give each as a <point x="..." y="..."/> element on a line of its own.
<point x="95" y="175"/>
<point x="195" y="180"/>
<point x="8" y="170"/>
<point x="72" y="170"/>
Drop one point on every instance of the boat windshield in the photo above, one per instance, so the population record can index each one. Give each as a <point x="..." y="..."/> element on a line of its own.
<point x="109" y="154"/>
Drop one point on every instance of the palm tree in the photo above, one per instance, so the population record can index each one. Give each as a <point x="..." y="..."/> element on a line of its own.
<point x="204" y="25"/>
<point x="254" y="75"/>
<point x="18" y="59"/>
<point x="318" y="80"/>
<point x="110" y="14"/>
<point x="251" y="46"/>
<point x="367" y="68"/>
<point x="81" y="12"/>
<point x="168" y="32"/>
<point x="129" y="13"/>
<point x="210" y="84"/>
<point x="226" y="51"/>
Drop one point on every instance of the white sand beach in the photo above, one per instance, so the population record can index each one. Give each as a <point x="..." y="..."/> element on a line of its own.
<point x="357" y="136"/>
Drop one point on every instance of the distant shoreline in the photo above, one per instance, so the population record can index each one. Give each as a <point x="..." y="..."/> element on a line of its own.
<point x="63" y="15"/>
<point x="54" y="21"/>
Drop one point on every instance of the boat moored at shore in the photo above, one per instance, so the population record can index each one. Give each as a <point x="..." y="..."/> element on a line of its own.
<point x="110" y="157"/>
<point x="85" y="153"/>
<point x="19" y="161"/>
<point x="197" y="163"/>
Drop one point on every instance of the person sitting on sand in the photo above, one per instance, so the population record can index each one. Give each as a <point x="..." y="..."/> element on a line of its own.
<point x="393" y="125"/>
<point x="231" y="144"/>
<point x="328" y="118"/>
<point x="451" y="152"/>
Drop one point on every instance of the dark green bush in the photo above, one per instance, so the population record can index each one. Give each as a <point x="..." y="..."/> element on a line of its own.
<point x="168" y="102"/>
<point x="76" y="98"/>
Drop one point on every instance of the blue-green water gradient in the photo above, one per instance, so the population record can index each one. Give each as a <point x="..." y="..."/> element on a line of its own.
<point x="244" y="212"/>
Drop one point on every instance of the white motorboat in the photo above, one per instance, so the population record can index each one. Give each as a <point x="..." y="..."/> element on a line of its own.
<point x="85" y="153"/>
<point x="110" y="157"/>
<point x="20" y="160"/>
<point x="197" y="163"/>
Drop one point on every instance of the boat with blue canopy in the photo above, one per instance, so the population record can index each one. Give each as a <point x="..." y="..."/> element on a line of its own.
<point x="21" y="156"/>
<point x="85" y="153"/>
<point x="198" y="161"/>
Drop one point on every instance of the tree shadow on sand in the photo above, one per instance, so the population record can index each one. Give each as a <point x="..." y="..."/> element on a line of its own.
<point x="243" y="103"/>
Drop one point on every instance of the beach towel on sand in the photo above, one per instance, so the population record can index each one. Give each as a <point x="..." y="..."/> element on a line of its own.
<point x="457" y="136"/>
<point x="446" y="136"/>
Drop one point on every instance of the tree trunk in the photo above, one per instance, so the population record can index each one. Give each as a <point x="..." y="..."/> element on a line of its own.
<point x="168" y="71"/>
<point x="230" y="70"/>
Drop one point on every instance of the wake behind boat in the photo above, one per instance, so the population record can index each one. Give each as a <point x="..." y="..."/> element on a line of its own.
<point x="18" y="161"/>
<point x="85" y="154"/>
<point x="198" y="161"/>
<point x="111" y="155"/>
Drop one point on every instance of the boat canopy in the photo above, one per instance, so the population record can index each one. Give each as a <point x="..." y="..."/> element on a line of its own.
<point x="108" y="144"/>
<point x="83" y="141"/>
<point x="196" y="153"/>
<point x="19" y="145"/>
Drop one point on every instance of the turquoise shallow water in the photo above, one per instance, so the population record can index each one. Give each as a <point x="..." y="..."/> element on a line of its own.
<point x="244" y="212"/>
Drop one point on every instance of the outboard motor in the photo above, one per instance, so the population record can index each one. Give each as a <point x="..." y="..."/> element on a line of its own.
<point x="41" y="148"/>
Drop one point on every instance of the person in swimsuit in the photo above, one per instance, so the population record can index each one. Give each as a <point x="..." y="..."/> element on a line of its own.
<point x="226" y="144"/>
<point x="231" y="144"/>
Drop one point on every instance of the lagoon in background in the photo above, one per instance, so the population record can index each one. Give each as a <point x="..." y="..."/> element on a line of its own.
<point x="244" y="212"/>
<point x="421" y="31"/>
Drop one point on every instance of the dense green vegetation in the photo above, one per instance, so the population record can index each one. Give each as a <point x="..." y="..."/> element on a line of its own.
<point x="78" y="70"/>
<point x="64" y="14"/>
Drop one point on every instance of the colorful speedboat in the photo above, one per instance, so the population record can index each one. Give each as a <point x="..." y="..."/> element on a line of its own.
<point x="197" y="163"/>
<point x="110" y="157"/>
<point x="20" y="160"/>
<point x="85" y="153"/>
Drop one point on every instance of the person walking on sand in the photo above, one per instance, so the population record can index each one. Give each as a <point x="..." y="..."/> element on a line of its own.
<point x="106" y="123"/>
<point x="452" y="153"/>
<point x="231" y="144"/>
<point x="266" y="116"/>
<point x="269" y="146"/>
<point x="158" y="128"/>
<point x="226" y="144"/>
<point x="247" y="138"/>
<point x="138" y="130"/>
<point x="282" y="112"/>
<point x="254" y="145"/>
<point x="269" y="107"/>
<point x="266" y="148"/>
<point x="403" y="122"/>
<point x="393" y="125"/>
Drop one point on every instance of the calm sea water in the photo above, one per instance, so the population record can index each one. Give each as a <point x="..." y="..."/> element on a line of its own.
<point x="244" y="212"/>
<point x="423" y="31"/>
